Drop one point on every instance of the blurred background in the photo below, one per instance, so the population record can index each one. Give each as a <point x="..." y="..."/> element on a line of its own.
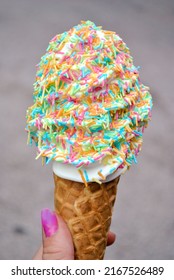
<point x="144" y="212"/>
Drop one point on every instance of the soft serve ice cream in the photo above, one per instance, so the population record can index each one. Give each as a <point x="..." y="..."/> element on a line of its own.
<point x="90" y="108"/>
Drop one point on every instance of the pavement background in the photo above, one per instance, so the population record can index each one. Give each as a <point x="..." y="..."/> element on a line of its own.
<point x="144" y="213"/>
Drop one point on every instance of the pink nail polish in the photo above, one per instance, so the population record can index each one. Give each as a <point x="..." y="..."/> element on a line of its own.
<point x="49" y="222"/>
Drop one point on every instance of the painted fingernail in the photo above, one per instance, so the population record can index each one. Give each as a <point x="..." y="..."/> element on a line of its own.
<point x="49" y="222"/>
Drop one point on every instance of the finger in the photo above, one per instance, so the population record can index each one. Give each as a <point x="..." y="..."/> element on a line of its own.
<point x="111" y="238"/>
<point x="57" y="240"/>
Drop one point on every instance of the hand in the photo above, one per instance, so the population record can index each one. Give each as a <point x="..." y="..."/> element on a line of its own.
<point x="57" y="242"/>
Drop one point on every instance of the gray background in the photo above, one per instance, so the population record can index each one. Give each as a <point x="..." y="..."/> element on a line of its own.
<point x="144" y="213"/>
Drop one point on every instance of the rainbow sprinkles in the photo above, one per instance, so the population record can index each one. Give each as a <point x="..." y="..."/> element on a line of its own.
<point x="89" y="104"/>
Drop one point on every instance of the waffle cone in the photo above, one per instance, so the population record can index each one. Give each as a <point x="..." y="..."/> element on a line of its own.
<point x="87" y="212"/>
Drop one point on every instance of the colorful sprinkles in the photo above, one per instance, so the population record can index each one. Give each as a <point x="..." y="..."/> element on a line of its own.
<point x="89" y="104"/>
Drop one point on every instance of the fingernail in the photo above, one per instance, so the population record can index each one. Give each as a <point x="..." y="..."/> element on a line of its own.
<point x="49" y="222"/>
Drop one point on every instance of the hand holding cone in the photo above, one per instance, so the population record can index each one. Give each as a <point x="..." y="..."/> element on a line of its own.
<point x="87" y="212"/>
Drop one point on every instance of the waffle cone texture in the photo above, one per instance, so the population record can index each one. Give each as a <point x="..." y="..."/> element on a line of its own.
<point x="87" y="212"/>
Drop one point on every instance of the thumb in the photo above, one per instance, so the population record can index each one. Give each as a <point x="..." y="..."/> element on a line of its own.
<point x="56" y="237"/>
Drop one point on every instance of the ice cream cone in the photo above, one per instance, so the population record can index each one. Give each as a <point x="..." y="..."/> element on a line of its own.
<point x="88" y="117"/>
<point x="87" y="212"/>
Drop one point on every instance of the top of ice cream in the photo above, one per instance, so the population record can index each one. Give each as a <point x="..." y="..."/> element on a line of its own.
<point x="89" y="104"/>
